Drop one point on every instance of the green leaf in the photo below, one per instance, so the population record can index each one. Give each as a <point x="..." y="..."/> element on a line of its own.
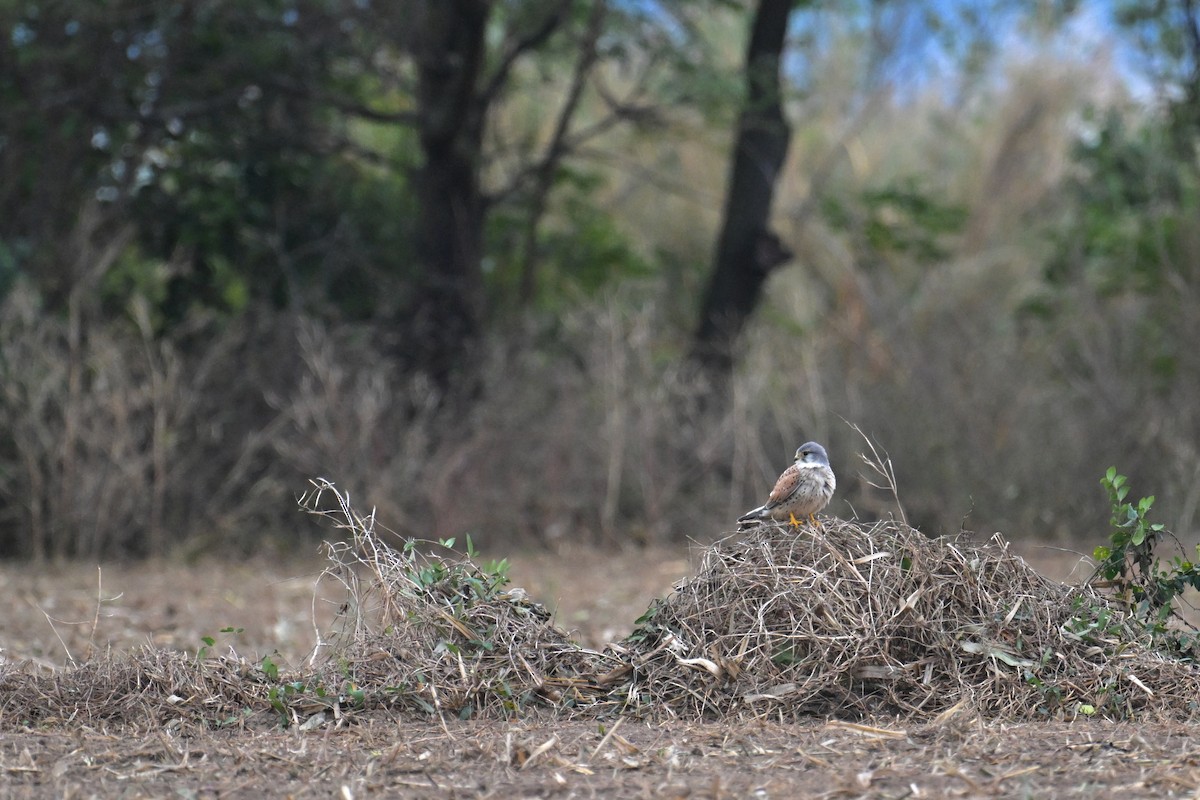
<point x="784" y="657"/>
<point x="1138" y="537"/>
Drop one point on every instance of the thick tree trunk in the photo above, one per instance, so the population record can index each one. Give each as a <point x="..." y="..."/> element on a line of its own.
<point x="747" y="251"/>
<point x="446" y="318"/>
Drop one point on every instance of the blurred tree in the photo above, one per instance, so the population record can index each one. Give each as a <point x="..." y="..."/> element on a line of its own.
<point x="459" y="81"/>
<point x="451" y="111"/>
<point x="747" y="251"/>
<point x="1168" y="34"/>
<point x="1136" y="192"/>
<point x="316" y="153"/>
<point x="1119" y="308"/>
<point x="208" y="126"/>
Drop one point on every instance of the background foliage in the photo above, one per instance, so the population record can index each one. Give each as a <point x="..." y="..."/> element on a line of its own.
<point x="209" y="268"/>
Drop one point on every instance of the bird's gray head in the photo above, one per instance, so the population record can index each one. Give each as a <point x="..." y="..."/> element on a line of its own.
<point x="811" y="453"/>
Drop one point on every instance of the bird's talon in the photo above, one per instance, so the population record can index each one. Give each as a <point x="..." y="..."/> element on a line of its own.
<point x="795" y="522"/>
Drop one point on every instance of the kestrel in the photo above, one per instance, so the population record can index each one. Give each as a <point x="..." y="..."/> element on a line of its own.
<point x="802" y="490"/>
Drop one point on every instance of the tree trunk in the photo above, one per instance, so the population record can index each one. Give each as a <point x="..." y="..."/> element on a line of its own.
<point x="446" y="318"/>
<point x="747" y="251"/>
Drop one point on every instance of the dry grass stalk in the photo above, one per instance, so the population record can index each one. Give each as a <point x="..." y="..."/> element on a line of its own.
<point x="881" y="466"/>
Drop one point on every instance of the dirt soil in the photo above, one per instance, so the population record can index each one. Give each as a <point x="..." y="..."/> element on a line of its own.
<point x="574" y="760"/>
<point x="57" y="614"/>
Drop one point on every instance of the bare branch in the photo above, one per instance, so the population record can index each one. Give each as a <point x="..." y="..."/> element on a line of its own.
<point x="583" y="66"/>
<point x="343" y="104"/>
<point x="518" y="47"/>
<point x="557" y="148"/>
<point x="621" y="110"/>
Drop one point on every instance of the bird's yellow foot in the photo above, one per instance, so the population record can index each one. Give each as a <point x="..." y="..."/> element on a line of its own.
<point x="795" y="522"/>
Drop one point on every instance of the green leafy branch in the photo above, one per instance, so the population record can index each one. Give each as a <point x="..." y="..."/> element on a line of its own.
<point x="463" y="580"/>
<point x="1147" y="584"/>
<point x="209" y="642"/>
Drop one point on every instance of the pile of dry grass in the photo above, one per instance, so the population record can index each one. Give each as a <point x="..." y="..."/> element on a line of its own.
<point x="428" y="629"/>
<point x="851" y="619"/>
<point x="149" y="688"/>
<point x="839" y="620"/>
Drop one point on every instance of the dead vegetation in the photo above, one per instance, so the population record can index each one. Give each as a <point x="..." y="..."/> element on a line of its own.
<point x="425" y="760"/>
<point x="440" y="634"/>
<point x="843" y="620"/>
<point x="148" y="689"/>
<point x="853" y="619"/>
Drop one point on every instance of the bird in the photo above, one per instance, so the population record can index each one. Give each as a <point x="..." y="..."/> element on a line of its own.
<point x="802" y="490"/>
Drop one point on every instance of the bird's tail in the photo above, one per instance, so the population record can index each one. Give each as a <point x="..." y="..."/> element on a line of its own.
<point x="751" y="516"/>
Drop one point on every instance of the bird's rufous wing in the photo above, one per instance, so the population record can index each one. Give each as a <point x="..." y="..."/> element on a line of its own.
<point x="784" y="486"/>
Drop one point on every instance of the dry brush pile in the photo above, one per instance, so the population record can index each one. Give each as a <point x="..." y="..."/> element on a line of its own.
<point x="848" y="618"/>
<point x="842" y="620"/>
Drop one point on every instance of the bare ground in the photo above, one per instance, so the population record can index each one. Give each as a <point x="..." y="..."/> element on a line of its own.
<point x="59" y="613"/>
<point x="379" y="757"/>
